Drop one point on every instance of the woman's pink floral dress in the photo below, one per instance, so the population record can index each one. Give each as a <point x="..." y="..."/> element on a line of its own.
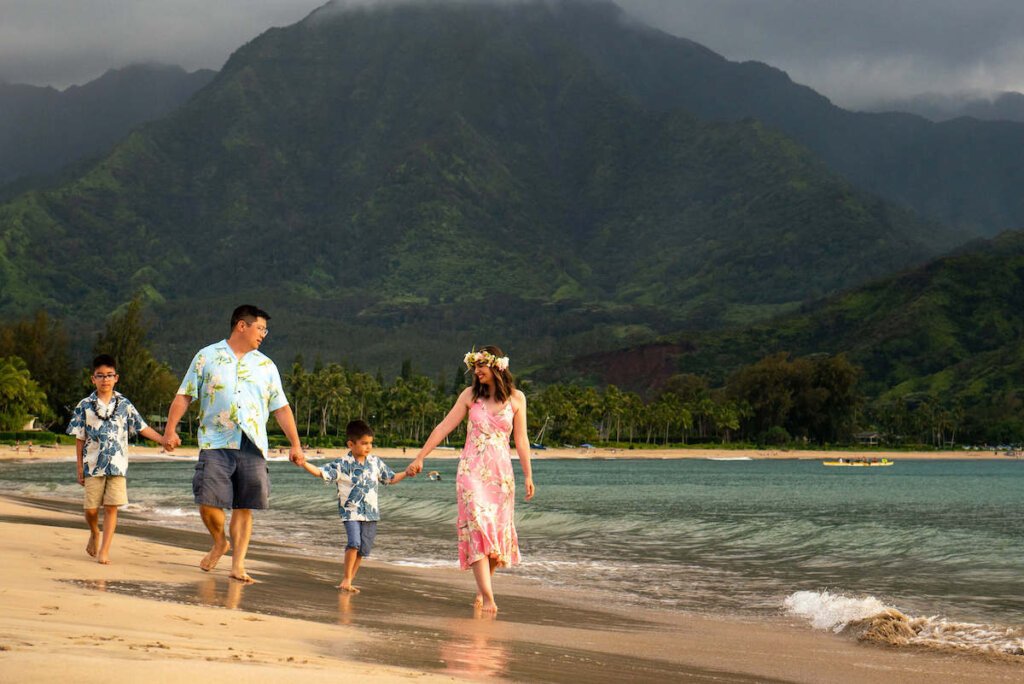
<point x="486" y="488"/>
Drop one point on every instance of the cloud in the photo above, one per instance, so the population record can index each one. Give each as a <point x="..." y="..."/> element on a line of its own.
<point x="56" y="42"/>
<point x="854" y="51"/>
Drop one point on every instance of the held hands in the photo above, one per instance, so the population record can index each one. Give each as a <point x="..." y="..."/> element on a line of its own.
<point x="296" y="456"/>
<point x="414" y="468"/>
<point x="171" y="439"/>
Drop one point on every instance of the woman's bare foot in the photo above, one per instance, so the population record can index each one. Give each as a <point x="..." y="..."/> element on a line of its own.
<point x="242" y="577"/>
<point x="90" y="548"/>
<point x="478" y="601"/>
<point x="103" y="559"/>
<point x="211" y="559"/>
<point x="345" y="586"/>
<point x="489" y="607"/>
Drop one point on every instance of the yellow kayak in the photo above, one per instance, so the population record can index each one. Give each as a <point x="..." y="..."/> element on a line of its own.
<point x="843" y="462"/>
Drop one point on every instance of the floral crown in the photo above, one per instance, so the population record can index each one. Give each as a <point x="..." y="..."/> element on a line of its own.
<point x="488" y="359"/>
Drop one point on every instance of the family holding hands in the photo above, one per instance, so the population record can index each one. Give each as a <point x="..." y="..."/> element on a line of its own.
<point x="238" y="388"/>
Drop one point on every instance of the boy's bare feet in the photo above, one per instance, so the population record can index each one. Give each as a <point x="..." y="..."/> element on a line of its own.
<point x="90" y="548"/>
<point x="345" y="586"/>
<point x="211" y="559"/>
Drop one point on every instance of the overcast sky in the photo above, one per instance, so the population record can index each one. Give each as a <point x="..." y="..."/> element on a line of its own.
<point x="853" y="51"/>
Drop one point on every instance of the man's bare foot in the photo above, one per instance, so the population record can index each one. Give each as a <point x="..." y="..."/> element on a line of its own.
<point x="211" y="559"/>
<point x="90" y="548"/>
<point x="242" y="577"/>
<point x="345" y="586"/>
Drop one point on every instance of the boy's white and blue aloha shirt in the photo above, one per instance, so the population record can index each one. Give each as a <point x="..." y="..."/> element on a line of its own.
<point x="105" y="451"/>
<point x="357" y="485"/>
<point x="235" y="395"/>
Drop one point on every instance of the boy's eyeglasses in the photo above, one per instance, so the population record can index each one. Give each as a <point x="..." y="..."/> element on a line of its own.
<point x="105" y="376"/>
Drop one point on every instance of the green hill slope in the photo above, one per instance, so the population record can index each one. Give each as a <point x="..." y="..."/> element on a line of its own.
<point x="951" y="329"/>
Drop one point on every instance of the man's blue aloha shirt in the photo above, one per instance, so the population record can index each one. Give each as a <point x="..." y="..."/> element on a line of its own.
<point x="105" y="451"/>
<point x="357" y="485"/>
<point x="234" y="396"/>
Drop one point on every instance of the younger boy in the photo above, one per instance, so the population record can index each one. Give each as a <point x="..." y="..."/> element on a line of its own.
<point x="101" y="424"/>
<point x="357" y="474"/>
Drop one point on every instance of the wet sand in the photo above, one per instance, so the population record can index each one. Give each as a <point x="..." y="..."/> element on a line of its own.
<point x="64" y="613"/>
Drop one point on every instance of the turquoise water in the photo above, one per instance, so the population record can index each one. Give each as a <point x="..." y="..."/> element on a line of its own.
<point x="932" y="538"/>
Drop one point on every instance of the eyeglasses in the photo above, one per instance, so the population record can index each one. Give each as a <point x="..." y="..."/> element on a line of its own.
<point x="105" y="376"/>
<point x="264" y="330"/>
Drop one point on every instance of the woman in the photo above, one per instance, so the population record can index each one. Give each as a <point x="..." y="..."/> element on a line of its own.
<point x="485" y="485"/>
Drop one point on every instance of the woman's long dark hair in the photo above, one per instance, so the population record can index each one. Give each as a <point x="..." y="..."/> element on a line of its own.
<point x="504" y="383"/>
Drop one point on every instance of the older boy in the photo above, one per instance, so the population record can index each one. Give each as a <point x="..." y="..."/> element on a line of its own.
<point x="357" y="474"/>
<point x="101" y="424"/>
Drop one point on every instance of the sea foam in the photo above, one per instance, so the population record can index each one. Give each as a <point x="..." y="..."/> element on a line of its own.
<point x="872" y="620"/>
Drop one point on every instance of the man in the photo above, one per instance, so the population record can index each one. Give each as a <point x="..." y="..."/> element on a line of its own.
<point x="238" y="388"/>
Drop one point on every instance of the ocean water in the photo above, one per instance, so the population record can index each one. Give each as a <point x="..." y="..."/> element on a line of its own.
<point x="941" y="543"/>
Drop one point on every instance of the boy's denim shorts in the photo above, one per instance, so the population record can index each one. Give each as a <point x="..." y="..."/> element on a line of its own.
<point x="232" y="478"/>
<point x="361" y="534"/>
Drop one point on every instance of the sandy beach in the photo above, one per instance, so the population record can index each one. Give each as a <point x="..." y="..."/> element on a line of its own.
<point x="154" y="615"/>
<point x="400" y="455"/>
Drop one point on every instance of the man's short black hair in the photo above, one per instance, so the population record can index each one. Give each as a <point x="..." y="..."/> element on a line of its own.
<point x="249" y="314"/>
<point x="104" y="360"/>
<point x="357" y="429"/>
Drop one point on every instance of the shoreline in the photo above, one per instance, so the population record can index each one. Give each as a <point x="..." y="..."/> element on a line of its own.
<point x="399" y="454"/>
<point x="62" y="610"/>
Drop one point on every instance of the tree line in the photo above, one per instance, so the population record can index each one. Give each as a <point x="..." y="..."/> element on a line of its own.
<point x="778" y="400"/>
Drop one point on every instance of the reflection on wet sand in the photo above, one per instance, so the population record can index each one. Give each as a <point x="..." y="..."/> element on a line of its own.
<point x="472" y="652"/>
<point x="344" y="608"/>
<point x="208" y="593"/>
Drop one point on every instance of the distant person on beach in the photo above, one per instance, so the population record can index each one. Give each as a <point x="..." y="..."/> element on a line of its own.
<point x="357" y="474"/>
<point x="485" y="485"/>
<point x="238" y="389"/>
<point x="101" y="424"/>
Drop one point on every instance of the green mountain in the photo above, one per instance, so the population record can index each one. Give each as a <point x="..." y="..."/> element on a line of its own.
<point x="964" y="173"/>
<point x="951" y="328"/>
<point x="43" y="129"/>
<point x="402" y="181"/>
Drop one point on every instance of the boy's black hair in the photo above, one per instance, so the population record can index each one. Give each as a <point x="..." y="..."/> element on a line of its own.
<point x="247" y="313"/>
<point x="104" y="360"/>
<point x="357" y="429"/>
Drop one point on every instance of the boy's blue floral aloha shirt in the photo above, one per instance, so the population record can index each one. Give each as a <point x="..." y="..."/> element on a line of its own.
<point x="357" y="485"/>
<point x="105" y="451"/>
<point x="234" y="396"/>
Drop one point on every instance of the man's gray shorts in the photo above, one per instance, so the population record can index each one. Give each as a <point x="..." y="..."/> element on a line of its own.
<point x="232" y="478"/>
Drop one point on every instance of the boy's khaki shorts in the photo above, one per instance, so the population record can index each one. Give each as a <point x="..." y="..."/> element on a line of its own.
<point x="105" y="490"/>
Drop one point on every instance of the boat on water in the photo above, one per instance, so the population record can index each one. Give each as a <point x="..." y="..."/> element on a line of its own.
<point x="858" y="463"/>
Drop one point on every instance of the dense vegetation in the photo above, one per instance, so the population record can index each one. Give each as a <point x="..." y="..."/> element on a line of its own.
<point x="941" y="343"/>
<point x="776" y="400"/>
